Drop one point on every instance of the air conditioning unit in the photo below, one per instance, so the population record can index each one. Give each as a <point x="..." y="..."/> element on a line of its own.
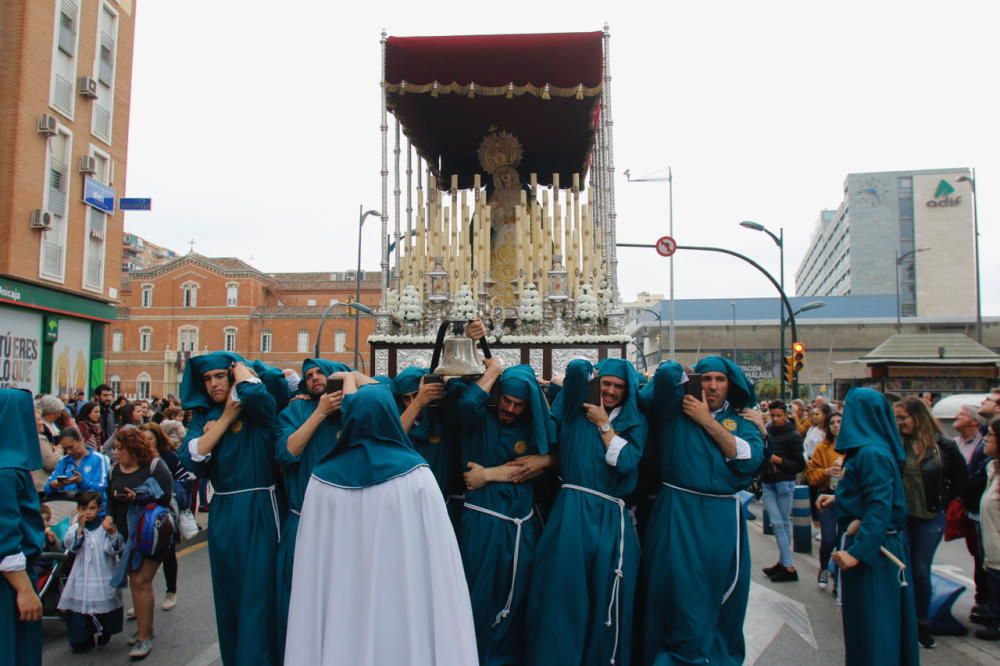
<point x="41" y="219"/>
<point x="87" y="87"/>
<point x="46" y="124"/>
<point x="88" y="164"/>
<point x="97" y="234"/>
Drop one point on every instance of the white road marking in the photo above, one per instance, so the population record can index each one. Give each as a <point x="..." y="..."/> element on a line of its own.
<point x="766" y="613"/>
<point x="208" y="656"/>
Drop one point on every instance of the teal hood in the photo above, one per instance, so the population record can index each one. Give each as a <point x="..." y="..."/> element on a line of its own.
<point x="519" y="382"/>
<point x="869" y="421"/>
<point x="741" y="391"/>
<point x="19" y="442"/>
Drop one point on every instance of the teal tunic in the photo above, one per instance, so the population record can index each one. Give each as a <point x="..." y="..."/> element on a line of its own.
<point x="428" y="432"/>
<point x="297" y="472"/>
<point x="879" y="615"/>
<point x="695" y="580"/>
<point x="21" y="528"/>
<point x="577" y="613"/>
<point x="487" y="543"/>
<point x="243" y="531"/>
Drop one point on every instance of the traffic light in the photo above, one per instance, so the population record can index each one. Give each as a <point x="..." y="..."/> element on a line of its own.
<point x="795" y="362"/>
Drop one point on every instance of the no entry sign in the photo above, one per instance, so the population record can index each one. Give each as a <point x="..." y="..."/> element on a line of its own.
<point x="666" y="246"/>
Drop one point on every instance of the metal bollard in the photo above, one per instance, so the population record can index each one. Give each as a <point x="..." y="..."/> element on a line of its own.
<point x="801" y="521"/>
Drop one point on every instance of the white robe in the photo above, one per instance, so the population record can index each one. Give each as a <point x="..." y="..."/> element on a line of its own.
<point x="378" y="579"/>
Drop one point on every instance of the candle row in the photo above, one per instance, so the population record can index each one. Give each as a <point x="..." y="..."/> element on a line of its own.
<point x="450" y="230"/>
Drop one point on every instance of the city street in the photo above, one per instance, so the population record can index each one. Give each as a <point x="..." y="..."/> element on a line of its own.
<point x="787" y="623"/>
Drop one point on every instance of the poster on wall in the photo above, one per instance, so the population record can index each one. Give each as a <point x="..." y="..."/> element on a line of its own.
<point x="71" y="357"/>
<point x="20" y="350"/>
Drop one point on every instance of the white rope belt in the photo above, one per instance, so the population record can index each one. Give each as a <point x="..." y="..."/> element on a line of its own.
<point x="294" y="512"/>
<point x="458" y="498"/>
<point x="518" y="522"/>
<point x="840" y="578"/>
<point x="615" y="603"/>
<point x="274" y="502"/>
<point x="739" y="542"/>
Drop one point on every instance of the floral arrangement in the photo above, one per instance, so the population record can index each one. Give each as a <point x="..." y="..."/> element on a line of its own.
<point x="465" y="305"/>
<point x="410" y="307"/>
<point x="392" y="304"/>
<point x="530" y="308"/>
<point x="586" y="303"/>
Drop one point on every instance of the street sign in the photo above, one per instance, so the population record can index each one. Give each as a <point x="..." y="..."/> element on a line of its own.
<point x="666" y="246"/>
<point x="98" y="195"/>
<point x="135" y="204"/>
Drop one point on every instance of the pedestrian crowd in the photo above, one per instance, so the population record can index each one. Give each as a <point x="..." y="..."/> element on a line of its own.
<point x="591" y="518"/>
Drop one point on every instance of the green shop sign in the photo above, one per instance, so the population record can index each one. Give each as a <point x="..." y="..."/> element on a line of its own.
<point x="37" y="297"/>
<point x="51" y="329"/>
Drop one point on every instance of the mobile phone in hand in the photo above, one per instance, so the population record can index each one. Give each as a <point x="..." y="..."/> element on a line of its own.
<point x="594" y="392"/>
<point x="693" y="386"/>
<point x="121" y="495"/>
<point x="334" y="384"/>
<point x="433" y="379"/>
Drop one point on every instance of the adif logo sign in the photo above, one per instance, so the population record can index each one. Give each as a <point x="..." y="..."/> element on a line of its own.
<point x="942" y="196"/>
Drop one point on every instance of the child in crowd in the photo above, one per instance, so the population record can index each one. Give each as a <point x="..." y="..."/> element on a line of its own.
<point x="51" y="540"/>
<point x="93" y="607"/>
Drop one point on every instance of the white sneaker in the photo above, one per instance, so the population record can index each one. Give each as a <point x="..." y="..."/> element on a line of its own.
<point x="141" y="649"/>
<point x="130" y="613"/>
<point x="169" y="601"/>
<point x="818" y="537"/>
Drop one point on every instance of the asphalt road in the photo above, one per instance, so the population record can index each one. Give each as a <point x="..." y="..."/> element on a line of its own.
<point x="787" y="623"/>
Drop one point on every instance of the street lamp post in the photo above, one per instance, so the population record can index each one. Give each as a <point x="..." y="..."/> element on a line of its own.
<point x="732" y="304"/>
<point x="899" y="260"/>
<point x="975" y="230"/>
<point x="659" y="329"/>
<point x="779" y="240"/>
<point x="357" y="286"/>
<point x="322" y="320"/>
<point x="669" y="180"/>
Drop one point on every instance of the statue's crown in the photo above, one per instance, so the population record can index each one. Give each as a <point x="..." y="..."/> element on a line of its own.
<point x="499" y="149"/>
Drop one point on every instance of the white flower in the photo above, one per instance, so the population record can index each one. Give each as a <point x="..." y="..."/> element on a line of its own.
<point x="530" y="308"/>
<point x="410" y="307"/>
<point x="586" y="303"/>
<point x="465" y="304"/>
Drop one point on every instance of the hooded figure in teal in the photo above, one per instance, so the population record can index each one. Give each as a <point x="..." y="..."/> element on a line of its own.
<point x="297" y="471"/>
<point x="22" y="532"/>
<point x="695" y="580"/>
<point x="579" y="608"/>
<point x="880" y="616"/>
<point x="499" y="528"/>
<point x="244" y="530"/>
<point x="428" y="431"/>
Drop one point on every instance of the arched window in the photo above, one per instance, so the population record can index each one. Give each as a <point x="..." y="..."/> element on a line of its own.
<point x="190" y="294"/>
<point x="232" y="293"/>
<point x="230" y="338"/>
<point x="142" y="386"/>
<point x="145" y="339"/>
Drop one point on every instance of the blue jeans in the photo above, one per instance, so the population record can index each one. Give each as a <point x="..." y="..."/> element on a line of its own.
<point x="778" y="504"/>
<point x="922" y="539"/>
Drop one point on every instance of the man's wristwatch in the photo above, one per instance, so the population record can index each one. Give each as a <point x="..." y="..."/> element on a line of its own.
<point x="604" y="428"/>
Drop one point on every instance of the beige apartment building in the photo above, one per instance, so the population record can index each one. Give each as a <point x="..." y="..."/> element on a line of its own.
<point x="65" y="78"/>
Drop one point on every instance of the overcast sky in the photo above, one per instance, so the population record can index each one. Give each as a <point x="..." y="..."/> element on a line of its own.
<point x="255" y="125"/>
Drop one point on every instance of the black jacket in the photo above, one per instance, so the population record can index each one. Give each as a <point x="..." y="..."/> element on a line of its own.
<point x="786" y="443"/>
<point x="974" y="489"/>
<point x="944" y="473"/>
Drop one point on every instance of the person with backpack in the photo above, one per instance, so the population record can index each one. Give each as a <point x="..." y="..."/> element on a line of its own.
<point x="140" y="490"/>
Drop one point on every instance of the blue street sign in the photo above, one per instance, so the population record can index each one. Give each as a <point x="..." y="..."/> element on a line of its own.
<point x="98" y="195"/>
<point x="135" y="204"/>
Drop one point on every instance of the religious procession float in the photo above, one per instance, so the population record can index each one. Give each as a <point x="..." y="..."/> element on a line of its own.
<point x="503" y="203"/>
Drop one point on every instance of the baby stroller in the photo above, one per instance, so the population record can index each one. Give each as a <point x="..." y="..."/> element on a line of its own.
<point x="53" y="567"/>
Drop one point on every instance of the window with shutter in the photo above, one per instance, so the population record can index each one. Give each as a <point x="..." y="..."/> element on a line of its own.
<point x="106" y="64"/>
<point x="116" y="341"/>
<point x="67" y="28"/>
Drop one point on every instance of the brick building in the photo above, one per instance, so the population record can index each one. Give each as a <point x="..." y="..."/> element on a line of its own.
<point x="196" y="304"/>
<point x="65" y="78"/>
<point x="139" y="254"/>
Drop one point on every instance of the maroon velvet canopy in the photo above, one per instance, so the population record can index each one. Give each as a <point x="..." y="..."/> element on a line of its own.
<point x="448" y="92"/>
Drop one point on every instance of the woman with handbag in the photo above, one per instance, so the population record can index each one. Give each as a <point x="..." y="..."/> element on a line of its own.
<point x="139" y="478"/>
<point x="933" y="475"/>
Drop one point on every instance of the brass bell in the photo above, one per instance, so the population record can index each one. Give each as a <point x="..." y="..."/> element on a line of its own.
<point x="455" y="356"/>
<point x="459" y="358"/>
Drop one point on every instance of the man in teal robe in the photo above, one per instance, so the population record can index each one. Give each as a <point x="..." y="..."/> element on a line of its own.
<point x="423" y="423"/>
<point x="307" y="430"/>
<point x="879" y="611"/>
<point x="499" y="528"/>
<point x="22" y="532"/>
<point x="695" y="580"/>
<point x="230" y="441"/>
<point x="587" y="562"/>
